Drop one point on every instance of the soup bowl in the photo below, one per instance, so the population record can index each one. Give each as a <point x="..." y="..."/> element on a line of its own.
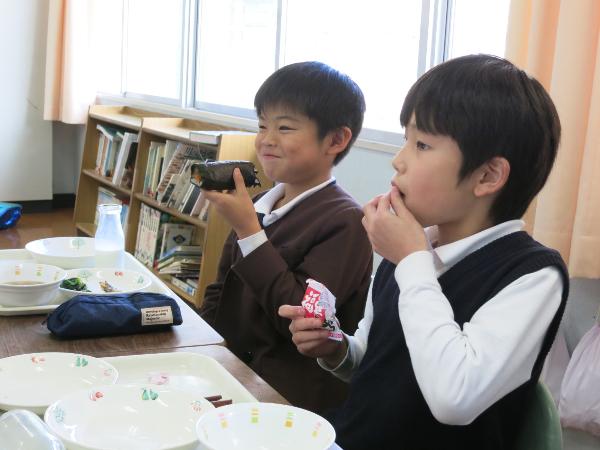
<point x="28" y="284"/>
<point x="263" y="426"/>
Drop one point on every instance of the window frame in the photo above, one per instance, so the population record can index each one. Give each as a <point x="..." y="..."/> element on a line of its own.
<point x="434" y="41"/>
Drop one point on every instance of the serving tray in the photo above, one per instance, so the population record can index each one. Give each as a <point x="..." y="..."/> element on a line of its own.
<point x="129" y="263"/>
<point x="199" y="374"/>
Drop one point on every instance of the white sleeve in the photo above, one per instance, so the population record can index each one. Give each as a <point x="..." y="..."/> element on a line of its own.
<point x="252" y="242"/>
<point x="463" y="372"/>
<point x="357" y="345"/>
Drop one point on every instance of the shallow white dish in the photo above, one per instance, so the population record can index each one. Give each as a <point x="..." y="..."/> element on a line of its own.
<point x="33" y="381"/>
<point x="28" y="283"/>
<point x="122" y="280"/>
<point x="65" y="252"/>
<point x="197" y="374"/>
<point x="263" y="426"/>
<point x="132" y="417"/>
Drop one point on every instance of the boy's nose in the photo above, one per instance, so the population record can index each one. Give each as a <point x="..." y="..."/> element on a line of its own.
<point x="398" y="162"/>
<point x="268" y="139"/>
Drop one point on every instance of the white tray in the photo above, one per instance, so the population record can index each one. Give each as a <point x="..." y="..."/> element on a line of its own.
<point x="129" y="263"/>
<point x="189" y="371"/>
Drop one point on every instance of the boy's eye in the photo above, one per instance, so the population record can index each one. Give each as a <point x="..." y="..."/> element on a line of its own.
<point x="285" y="128"/>
<point x="422" y="146"/>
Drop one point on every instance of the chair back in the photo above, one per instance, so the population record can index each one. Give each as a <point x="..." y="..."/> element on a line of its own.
<point x="541" y="424"/>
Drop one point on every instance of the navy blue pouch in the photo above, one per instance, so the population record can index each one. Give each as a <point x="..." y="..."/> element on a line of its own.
<point x="107" y="315"/>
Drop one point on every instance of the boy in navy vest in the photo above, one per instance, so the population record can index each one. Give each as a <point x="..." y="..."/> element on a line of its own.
<point x="461" y="314"/>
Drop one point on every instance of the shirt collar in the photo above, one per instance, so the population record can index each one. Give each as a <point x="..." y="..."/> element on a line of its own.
<point x="264" y="205"/>
<point x="447" y="255"/>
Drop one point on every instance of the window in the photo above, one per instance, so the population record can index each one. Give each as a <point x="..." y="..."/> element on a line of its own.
<point x="154" y="48"/>
<point x="236" y="52"/>
<point x="214" y="54"/>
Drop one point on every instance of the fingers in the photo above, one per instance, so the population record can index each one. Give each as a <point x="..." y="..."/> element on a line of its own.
<point x="213" y="196"/>
<point x="396" y="201"/>
<point x="291" y="312"/>
<point x="238" y="179"/>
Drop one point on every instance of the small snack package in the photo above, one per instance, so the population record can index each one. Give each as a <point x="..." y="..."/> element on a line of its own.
<point x="319" y="302"/>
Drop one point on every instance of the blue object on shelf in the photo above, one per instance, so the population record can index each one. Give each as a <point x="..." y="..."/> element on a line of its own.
<point x="10" y="213"/>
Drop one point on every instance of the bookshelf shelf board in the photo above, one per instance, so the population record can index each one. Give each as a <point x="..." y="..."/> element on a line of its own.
<point x="86" y="228"/>
<point x="177" y="128"/>
<point x="123" y="116"/>
<point x="106" y="181"/>
<point x="173" y="212"/>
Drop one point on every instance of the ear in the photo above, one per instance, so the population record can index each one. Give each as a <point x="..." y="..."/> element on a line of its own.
<point x="491" y="176"/>
<point x="338" y="140"/>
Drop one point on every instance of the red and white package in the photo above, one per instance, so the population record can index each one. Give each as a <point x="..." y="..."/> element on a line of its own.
<point x="319" y="302"/>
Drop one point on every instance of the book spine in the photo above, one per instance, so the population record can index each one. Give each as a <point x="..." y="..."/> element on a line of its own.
<point x="183" y="286"/>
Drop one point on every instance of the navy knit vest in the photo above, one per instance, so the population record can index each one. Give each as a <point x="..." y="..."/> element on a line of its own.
<point x="385" y="408"/>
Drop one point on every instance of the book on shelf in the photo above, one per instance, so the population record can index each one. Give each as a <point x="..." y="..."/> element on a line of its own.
<point x="175" y="234"/>
<point x="180" y="269"/>
<point x="128" y="145"/>
<point x="158" y="163"/>
<point x="185" y="261"/>
<point x="147" y="189"/>
<point x="198" y="204"/>
<point x="182" y="250"/>
<point x="183" y="153"/>
<point x="109" y="142"/>
<point x="181" y="284"/>
<point x="190" y="169"/>
<point x="193" y="282"/>
<point x="213" y="137"/>
<point x="146" y="246"/>
<point x="189" y="201"/>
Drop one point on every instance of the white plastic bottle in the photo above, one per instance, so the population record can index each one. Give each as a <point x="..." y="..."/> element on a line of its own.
<point x="109" y="237"/>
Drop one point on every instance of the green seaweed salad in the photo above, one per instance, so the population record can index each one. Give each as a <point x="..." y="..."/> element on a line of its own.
<point x="74" y="284"/>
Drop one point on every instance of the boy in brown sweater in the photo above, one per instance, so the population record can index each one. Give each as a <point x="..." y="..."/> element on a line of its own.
<point x="305" y="227"/>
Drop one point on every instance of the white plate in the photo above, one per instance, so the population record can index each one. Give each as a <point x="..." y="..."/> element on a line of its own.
<point x="65" y="252"/>
<point x="132" y="417"/>
<point x="264" y="426"/>
<point x="33" y="381"/>
<point x="191" y="372"/>
<point x="122" y="280"/>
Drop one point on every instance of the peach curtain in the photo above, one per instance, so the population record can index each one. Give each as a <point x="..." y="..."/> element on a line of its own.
<point x="68" y="91"/>
<point x="557" y="41"/>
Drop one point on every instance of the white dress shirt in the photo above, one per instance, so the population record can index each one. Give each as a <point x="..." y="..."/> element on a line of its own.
<point x="265" y="206"/>
<point x="462" y="372"/>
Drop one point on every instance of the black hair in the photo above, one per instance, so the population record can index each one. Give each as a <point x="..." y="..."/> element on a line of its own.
<point x="490" y="108"/>
<point x="318" y="91"/>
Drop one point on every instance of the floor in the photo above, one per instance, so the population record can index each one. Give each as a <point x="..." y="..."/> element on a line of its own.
<point x="34" y="226"/>
<point x="583" y="299"/>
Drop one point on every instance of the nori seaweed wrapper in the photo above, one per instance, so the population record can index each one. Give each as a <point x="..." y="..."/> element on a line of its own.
<point x="218" y="175"/>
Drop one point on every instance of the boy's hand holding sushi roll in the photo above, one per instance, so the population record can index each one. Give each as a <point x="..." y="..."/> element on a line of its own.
<point x="236" y="206"/>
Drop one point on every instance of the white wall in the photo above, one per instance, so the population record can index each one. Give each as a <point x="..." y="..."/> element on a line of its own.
<point x="26" y="139"/>
<point x="67" y="145"/>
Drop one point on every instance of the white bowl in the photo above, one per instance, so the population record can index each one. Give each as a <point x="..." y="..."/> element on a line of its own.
<point x="28" y="284"/>
<point x="132" y="417"/>
<point x="65" y="252"/>
<point x="263" y="426"/>
<point x="122" y="280"/>
<point x="35" y="380"/>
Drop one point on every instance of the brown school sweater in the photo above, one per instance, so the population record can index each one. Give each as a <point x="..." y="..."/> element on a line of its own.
<point x="321" y="238"/>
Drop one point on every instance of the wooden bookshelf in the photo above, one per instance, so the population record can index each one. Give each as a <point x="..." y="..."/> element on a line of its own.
<point x="209" y="234"/>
